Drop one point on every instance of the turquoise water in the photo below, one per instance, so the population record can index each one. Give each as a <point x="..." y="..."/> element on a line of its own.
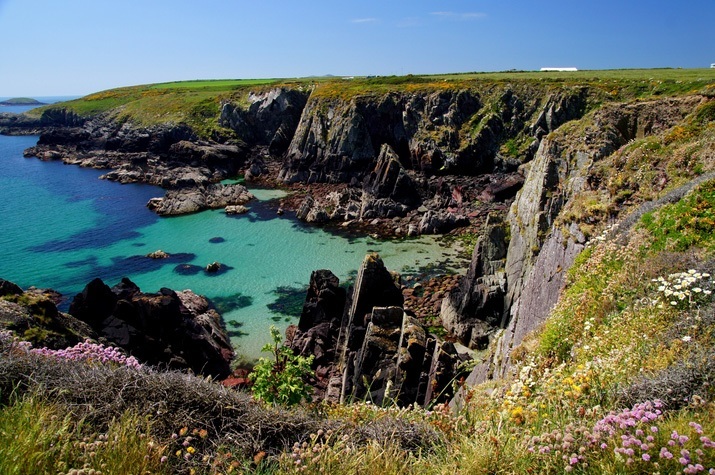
<point x="61" y="227"/>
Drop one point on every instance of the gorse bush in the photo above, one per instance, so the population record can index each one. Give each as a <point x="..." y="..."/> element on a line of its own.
<point x="281" y="380"/>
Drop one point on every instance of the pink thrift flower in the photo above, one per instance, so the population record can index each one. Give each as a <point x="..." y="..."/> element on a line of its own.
<point x="646" y="457"/>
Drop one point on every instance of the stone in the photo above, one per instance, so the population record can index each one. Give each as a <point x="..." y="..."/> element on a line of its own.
<point x="9" y="288"/>
<point x="236" y="209"/>
<point x="177" y="330"/>
<point x="213" y="267"/>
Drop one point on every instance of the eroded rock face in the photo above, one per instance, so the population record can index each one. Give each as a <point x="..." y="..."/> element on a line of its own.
<point x="525" y="283"/>
<point x="366" y="346"/>
<point x="176" y="330"/>
<point x="270" y="119"/>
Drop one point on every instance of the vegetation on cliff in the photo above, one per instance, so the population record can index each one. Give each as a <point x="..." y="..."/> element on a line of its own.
<point x="197" y="103"/>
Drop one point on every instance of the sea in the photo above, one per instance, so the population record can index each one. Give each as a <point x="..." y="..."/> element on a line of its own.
<point x="62" y="226"/>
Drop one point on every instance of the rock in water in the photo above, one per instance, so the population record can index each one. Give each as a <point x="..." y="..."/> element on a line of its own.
<point x="193" y="199"/>
<point x="235" y="209"/>
<point x="213" y="267"/>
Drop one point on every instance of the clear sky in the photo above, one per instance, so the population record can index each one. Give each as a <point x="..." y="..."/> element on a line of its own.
<point x="75" y="47"/>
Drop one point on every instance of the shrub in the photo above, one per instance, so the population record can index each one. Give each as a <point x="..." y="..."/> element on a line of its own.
<point x="281" y="380"/>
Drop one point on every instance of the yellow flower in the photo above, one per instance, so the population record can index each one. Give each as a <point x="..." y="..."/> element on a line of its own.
<point x="178" y="453"/>
<point x="190" y="449"/>
<point x="517" y="415"/>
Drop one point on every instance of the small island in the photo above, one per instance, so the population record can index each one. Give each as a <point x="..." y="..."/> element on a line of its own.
<point x="22" y="101"/>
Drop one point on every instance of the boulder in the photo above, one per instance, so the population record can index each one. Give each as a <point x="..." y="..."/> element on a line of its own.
<point x="441" y="221"/>
<point x="169" y="329"/>
<point x="236" y="209"/>
<point x="9" y="288"/>
<point x="194" y="199"/>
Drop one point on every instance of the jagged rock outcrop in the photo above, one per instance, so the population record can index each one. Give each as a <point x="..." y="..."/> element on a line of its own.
<point x="474" y="311"/>
<point x="388" y="191"/>
<point x="190" y="200"/>
<point x="169" y="156"/>
<point x="172" y="329"/>
<point x="270" y="118"/>
<point x="318" y="329"/>
<point x="543" y="244"/>
<point x="366" y="345"/>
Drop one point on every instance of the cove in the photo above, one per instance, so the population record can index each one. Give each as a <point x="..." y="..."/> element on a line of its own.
<point x="62" y="227"/>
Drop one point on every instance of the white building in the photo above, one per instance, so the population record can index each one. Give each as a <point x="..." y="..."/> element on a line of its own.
<point x="559" y="69"/>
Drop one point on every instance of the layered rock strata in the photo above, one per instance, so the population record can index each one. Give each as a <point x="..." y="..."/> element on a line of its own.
<point x="366" y="346"/>
<point x="518" y="267"/>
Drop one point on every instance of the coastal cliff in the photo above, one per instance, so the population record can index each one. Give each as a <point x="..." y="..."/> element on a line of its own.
<point x="580" y="339"/>
<point x="521" y="164"/>
<point x="450" y="144"/>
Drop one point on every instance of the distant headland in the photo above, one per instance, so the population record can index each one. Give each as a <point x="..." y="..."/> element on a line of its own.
<point x="22" y="101"/>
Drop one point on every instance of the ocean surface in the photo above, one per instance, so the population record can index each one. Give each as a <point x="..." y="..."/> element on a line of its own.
<point x="61" y="226"/>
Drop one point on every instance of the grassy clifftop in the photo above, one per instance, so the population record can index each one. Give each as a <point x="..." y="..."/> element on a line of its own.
<point x="197" y="103"/>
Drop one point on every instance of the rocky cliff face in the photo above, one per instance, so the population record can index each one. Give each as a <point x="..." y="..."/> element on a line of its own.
<point x="442" y="132"/>
<point x="270" y="118"/>
<point x="366" y="346"/>
<point x="525" y="281"/>
<point x="410" y="152"/>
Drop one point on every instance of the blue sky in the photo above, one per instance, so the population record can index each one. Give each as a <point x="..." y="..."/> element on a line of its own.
<point x="75" y="47"/>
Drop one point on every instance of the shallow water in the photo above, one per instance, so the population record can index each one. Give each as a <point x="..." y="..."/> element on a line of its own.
<point x="61" y="227"/>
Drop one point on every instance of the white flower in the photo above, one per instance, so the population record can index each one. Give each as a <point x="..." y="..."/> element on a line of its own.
<point x="686" y="338"/>
<point x="697" y="290"/>
<point x="673" y="302"/>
